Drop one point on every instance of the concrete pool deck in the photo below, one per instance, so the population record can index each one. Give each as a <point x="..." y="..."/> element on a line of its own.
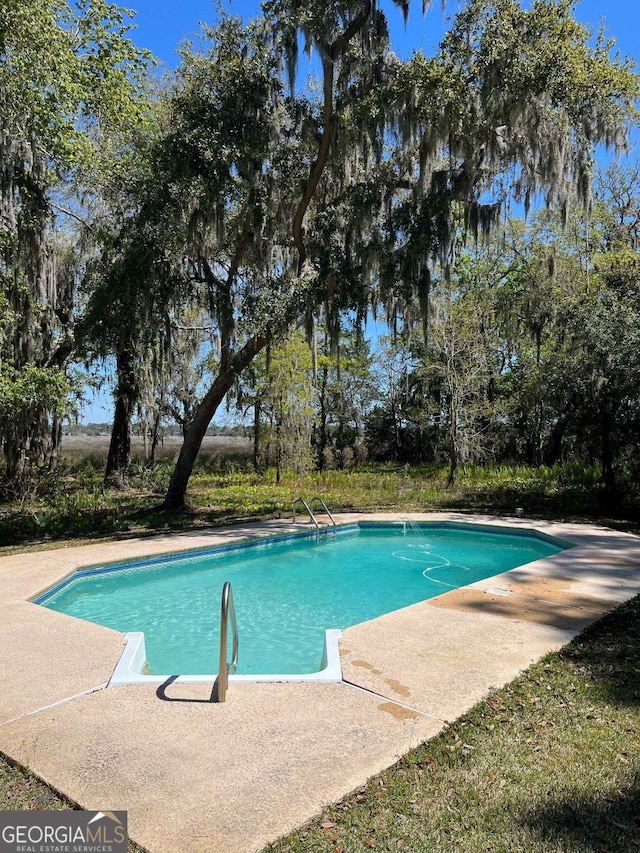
<point x="228" y="778"/>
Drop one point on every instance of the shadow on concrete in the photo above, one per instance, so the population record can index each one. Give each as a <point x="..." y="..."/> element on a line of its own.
<point x="161" y="693"/>
<point x="570" y="617"/>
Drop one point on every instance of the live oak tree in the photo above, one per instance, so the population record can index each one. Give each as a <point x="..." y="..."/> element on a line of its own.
<point x="536" y="340"/>
<point x="603" y="364"/>
<point x="275" y="149"/>
<point x="465" y="360"/>
<point x="173" y="367"/>
<point x="134" y="287"/>
<point x="532" y="284"/>
<point x="567" y="308"/>
<point x="284" y="385"/>
<point x="137" y="298"/>
<point x="345" y="389"/>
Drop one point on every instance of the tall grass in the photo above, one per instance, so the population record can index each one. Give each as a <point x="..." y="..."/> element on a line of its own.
<point x="73" y="503"/>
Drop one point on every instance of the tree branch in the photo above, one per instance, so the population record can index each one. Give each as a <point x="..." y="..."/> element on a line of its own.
<point x="73" y="216"/>
<point x="342" y="42"/>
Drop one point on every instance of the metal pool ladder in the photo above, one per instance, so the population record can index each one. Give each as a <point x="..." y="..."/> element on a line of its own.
<point x="228" y="611"/>
<point x="308" y="507"/>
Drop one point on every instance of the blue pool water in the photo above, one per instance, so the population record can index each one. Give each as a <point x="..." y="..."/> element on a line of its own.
<point x="288" y="593"/>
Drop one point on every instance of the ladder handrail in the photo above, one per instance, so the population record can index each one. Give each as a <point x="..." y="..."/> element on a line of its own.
<point x="227" y="611"/>
<point x="325" y="508"/>
<point x="308" y="509"/>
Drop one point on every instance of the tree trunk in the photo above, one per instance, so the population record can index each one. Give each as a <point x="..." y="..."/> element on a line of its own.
<point x="257" y="435"/>
<point x="120" y="447"/>
<point x="396" y="431"/>
<point x="454" y="449"/>
<point x="323" y="441"/>
<point x="155" y="440"/>
<point x="553" y="449"/>
<point x="15" y="458"/>
<point x="453" y="468"/>
<point x="608" y="453"/>
<point x="279" y="448"/>
<point x="56" y="441"/>
<point x="195" y="432"/>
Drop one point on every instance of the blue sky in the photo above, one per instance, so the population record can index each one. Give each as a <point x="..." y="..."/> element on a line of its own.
<point x="161" y="25"/>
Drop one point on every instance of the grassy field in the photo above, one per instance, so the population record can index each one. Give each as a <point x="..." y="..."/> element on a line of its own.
<point x="97" y="447"/>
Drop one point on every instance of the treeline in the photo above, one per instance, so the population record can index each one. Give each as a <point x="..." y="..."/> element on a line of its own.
<point x="192" y="231"/>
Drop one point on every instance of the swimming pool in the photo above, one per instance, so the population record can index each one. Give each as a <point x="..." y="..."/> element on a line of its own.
<point x="288" y="592"/>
